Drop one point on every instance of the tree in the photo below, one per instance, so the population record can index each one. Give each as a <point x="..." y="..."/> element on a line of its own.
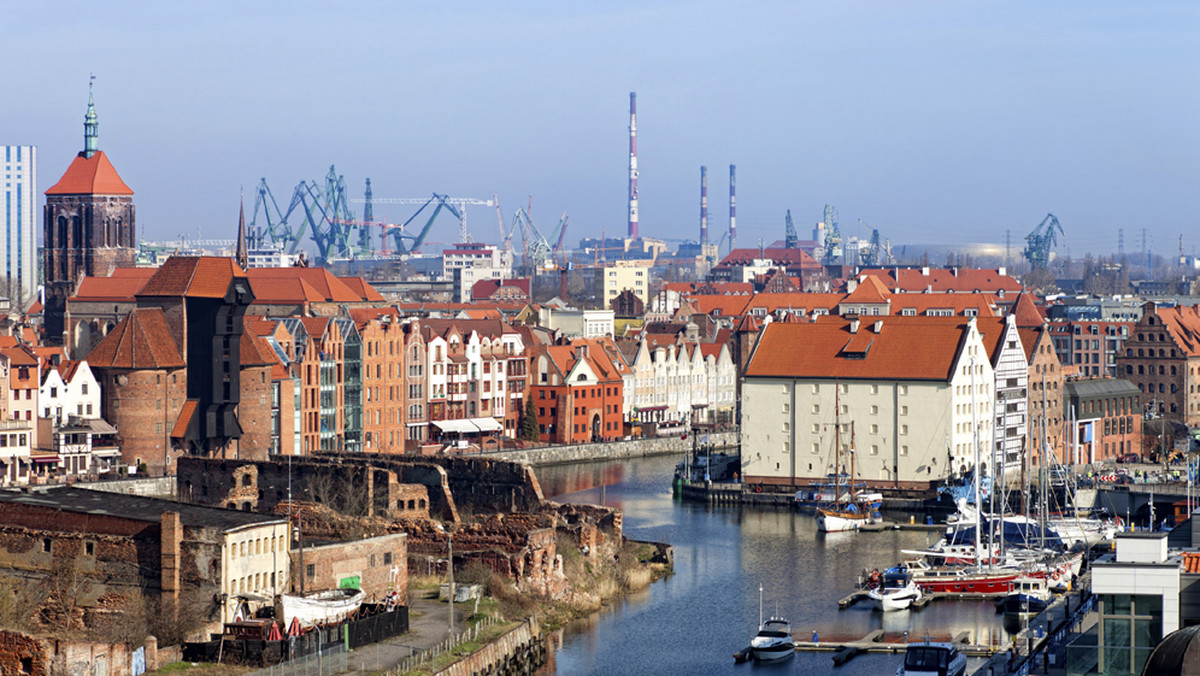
<point x="527" y="426"/>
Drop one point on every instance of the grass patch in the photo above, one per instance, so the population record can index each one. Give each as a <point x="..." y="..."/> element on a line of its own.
<point x="201" y="669"/>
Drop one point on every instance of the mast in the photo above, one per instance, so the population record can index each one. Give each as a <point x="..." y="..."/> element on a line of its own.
<point x="837" y="444"/>
<point x="978" y="505"/>
<point x="850" y="492"/>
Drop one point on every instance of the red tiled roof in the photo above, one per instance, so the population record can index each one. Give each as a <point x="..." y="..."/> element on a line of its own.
<point x="186" y="415"/>
<point x="958" y="303"/>
<point x="291" y="291"/>
<point x="193" y="276"/>
<point x="1029" y="339"/>
<point x="869" y="290"/>
<point x="330" y="288"/>
<point x="941" y="280"/>
<point x="361" y="316"/>
<point x="122" y="286"/>
<point x="1184" y="325"/>
<point x="728" y="306"/>
<point x="259" y="326"/>
<point x="778" y="256"/>
<point x="141" y="340"/>
<point x="253" y="351"/>
<point x="19" y="355"/>
<point x="1027" y="312"/>
<point x="93" y="175"/>
<point x="36" y="308"/>
<point x="1191" y="562"/>
<point x="906" y="348"/>
<point x="362" y="288"/>
<point x="794" y="301"/>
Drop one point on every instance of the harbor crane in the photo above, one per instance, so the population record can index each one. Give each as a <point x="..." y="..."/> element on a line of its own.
<point x="790" y="239"/>
<point x="455" y="205"/>
<point x="1041" y="241"/>
<point x="833" y="238"/>
<point x="875" y="253"/>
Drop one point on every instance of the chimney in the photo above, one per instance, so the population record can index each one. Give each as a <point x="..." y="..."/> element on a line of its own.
<point x="878" y="327"/>
<point x="1002" y="271"/>
<point x="925" y="271"/>
<point x="703" y="207"/>
<point x="732" y="208"/>
<point x="854" y="325"/>
<point x="171" y="539"/>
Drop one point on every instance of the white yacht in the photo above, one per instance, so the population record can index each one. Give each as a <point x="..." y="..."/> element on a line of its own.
<point x="773" y="641"/>
<point x="896" y="590"/>
<point x="932" y="659"/>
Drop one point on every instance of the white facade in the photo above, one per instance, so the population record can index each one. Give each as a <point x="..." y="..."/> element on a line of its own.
<point x="621" y="275"/>
<point x="472" y="262"/>
<point x="79" y="397"/>
<point x="905" y="431"/>
<point x="1012" y="419"/>
<point x="20" y="208"/>
<point x="680" y="384"/>
<point x="578" y="323"/>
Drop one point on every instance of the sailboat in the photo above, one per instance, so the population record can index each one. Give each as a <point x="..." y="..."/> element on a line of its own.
<point x="843" y="513"/>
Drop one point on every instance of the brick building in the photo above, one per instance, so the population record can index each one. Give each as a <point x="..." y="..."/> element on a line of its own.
<point x="384" y="379"/>
<point x="377" y="565"/>
<point x="1162" y="358"/>
<point x="122" y="546"/>
<point x="578" y="389"/>
<point x="89" y="226"/>
<point x="1104" y="420"/>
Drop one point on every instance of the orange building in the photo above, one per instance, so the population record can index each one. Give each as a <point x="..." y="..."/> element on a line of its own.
<point x="578" y="390"/>
<point x="384" y="381"/>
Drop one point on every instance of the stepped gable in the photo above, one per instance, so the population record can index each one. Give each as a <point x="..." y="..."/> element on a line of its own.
<point x="896" y="348"/>
<point x="93" y="175"/>
<point x="193" y="276"/>
<point x="1029" y="339"/>
<point x="1184" y="325"/>
<point x="1027" y="312"/>
<point x="141" y="340"/>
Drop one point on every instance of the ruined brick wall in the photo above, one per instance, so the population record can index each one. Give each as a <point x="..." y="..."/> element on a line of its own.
<point x="254" y="413"/>
<point x="21" y="654"/>
<point x="144" y="405"/>
<point x="411" y="502"/>
<point x="380" y="564"/>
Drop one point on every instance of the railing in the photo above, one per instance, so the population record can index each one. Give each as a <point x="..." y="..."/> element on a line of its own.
<point x="428" y="658"/>
<point x="329" y="661"/>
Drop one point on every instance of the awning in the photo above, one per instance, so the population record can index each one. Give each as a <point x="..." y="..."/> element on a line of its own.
<point x="468" y="425"/>
<point x="486" y="424"/>
<point x="459" y="426"/>
<point x="44" y="458"/>
<point x="651" y="408"/>
<point x="106" y="451"/>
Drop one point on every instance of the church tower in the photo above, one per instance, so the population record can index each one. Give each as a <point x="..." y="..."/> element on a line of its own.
<point x="89" y="226"/>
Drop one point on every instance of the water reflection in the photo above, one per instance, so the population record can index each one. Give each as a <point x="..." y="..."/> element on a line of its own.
<point x="694" y="620"/>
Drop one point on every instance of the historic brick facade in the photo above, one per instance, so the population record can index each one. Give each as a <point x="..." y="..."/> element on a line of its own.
<point x="377" y="565"/>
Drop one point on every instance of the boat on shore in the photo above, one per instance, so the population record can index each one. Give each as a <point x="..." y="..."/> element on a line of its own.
<point x="325" y="606"/>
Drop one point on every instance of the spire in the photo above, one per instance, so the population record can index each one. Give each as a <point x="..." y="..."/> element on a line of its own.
<point x="91" y="128"/>
<point x="242" y="256"/>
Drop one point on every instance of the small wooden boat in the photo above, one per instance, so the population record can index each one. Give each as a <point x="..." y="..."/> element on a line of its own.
<point x="325" y="606"/>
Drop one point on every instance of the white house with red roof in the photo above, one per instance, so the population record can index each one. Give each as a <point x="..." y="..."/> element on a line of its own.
<point x="913" y="395"/>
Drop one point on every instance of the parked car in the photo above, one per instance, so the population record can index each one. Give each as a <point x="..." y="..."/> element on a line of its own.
<point x="1129" y="457"/>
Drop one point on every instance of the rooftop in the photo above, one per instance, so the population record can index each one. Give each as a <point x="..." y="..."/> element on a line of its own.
<point x="135" y="507"/>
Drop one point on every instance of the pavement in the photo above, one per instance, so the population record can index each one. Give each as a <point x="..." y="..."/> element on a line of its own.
<point x="428" y="625"/>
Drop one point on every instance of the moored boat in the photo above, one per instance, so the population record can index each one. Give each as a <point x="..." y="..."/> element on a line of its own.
<point x="896" y="590"/>
<point x="773" y="641"/>
<point x="932" y="659"/>
<point x="1029" y="596"/>
<point x="963" y="580"/>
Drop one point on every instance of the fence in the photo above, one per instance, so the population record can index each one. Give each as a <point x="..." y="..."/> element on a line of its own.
<point x="331" y="660"/>
<point x="430" y="656"/>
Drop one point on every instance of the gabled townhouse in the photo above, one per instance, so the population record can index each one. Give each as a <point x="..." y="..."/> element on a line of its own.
<point x="73" y="439"/>
<point x="578" y="391"/>
<point x="1011" y="428"/>
<point x="682" y="384"/>
<point x="285" y="391"/>
<point x="416" y="401"/>
<point x="384" y="379"/>
<point x="1162" y="357"/>
<point x="913" y="394"/>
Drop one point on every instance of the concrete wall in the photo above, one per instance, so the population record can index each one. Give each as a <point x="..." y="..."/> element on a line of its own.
<point x="517" y="652"/>
<point x="615" y="450"/>
<point x="151" y="487"/>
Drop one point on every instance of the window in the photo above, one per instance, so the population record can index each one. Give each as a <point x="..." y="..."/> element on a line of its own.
<point x="46" y="545"/>
<point x="310" y="570"/>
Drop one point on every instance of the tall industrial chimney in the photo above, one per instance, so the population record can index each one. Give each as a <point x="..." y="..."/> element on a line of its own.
<point x="633" y="170"/>
<point x="703" y="206"/>
<point x="732" y="208"/>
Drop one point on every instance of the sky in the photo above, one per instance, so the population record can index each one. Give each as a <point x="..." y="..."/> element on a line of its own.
<point x="936" y="122"/>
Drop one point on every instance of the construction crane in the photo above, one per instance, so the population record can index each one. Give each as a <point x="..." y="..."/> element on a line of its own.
<point x="561" y="232"/>
<point x="1041" y="242"/>
<point x="275" y="232"/>
<point x="833" y="238"/>
<point x="456" y="205"/>
<point x="790" y="239"/>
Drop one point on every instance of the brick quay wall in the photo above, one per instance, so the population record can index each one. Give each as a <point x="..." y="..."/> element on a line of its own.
<point x="615" y="450"/>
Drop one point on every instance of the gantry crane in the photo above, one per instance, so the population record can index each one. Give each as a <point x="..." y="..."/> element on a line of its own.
<point x="1040" y="242"/>
<point x="790" y="239"/>
<point x="455" y="205"/>
<point x="833" y="237"/>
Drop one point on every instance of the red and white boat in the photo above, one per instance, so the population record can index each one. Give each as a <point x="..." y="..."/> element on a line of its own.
<point x="962" y="580"/>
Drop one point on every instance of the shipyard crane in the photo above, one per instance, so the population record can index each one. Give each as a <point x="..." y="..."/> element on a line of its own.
<point x="1041" y="241"/>
<point x="275" y="232"/>
<point x="790" y="239"/>
<point x="833" y="238"/>
<point x="875" y="253"/>
<point x="538" y="253"/>
<point x="455" y="205"/>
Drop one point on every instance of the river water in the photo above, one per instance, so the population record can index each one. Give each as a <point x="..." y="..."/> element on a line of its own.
<point x="693" y="621"/>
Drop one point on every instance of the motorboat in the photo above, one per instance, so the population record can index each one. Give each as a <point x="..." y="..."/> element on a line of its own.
<point x="932" y="659"/>
<point x="774" y="638"/>
<point x="896" y="590"/>
<point x="1029" y="596"/>
<point x="773" y="641"/>
<point x="326" y="606"/>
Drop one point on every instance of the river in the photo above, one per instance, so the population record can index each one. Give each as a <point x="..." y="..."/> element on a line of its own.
<point x="693" y="621"/>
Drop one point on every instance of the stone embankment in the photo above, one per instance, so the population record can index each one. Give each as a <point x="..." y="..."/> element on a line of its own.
<point x="519" y="651"/>
<point x="614" y="450"/>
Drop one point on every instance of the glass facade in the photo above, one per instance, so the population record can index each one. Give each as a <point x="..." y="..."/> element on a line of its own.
<point x="1119" y="644"/>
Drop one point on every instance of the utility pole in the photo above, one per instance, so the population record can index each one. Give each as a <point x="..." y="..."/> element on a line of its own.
<point x="450" y="567"/>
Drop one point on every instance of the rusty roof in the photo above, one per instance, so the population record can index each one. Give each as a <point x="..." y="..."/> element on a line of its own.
<point x="904" y="348"/>
<point x="93" y="175"/>
<point x="142" y="340"/>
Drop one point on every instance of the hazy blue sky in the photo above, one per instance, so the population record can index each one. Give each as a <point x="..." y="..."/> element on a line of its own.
<point x="933" y="121"/>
